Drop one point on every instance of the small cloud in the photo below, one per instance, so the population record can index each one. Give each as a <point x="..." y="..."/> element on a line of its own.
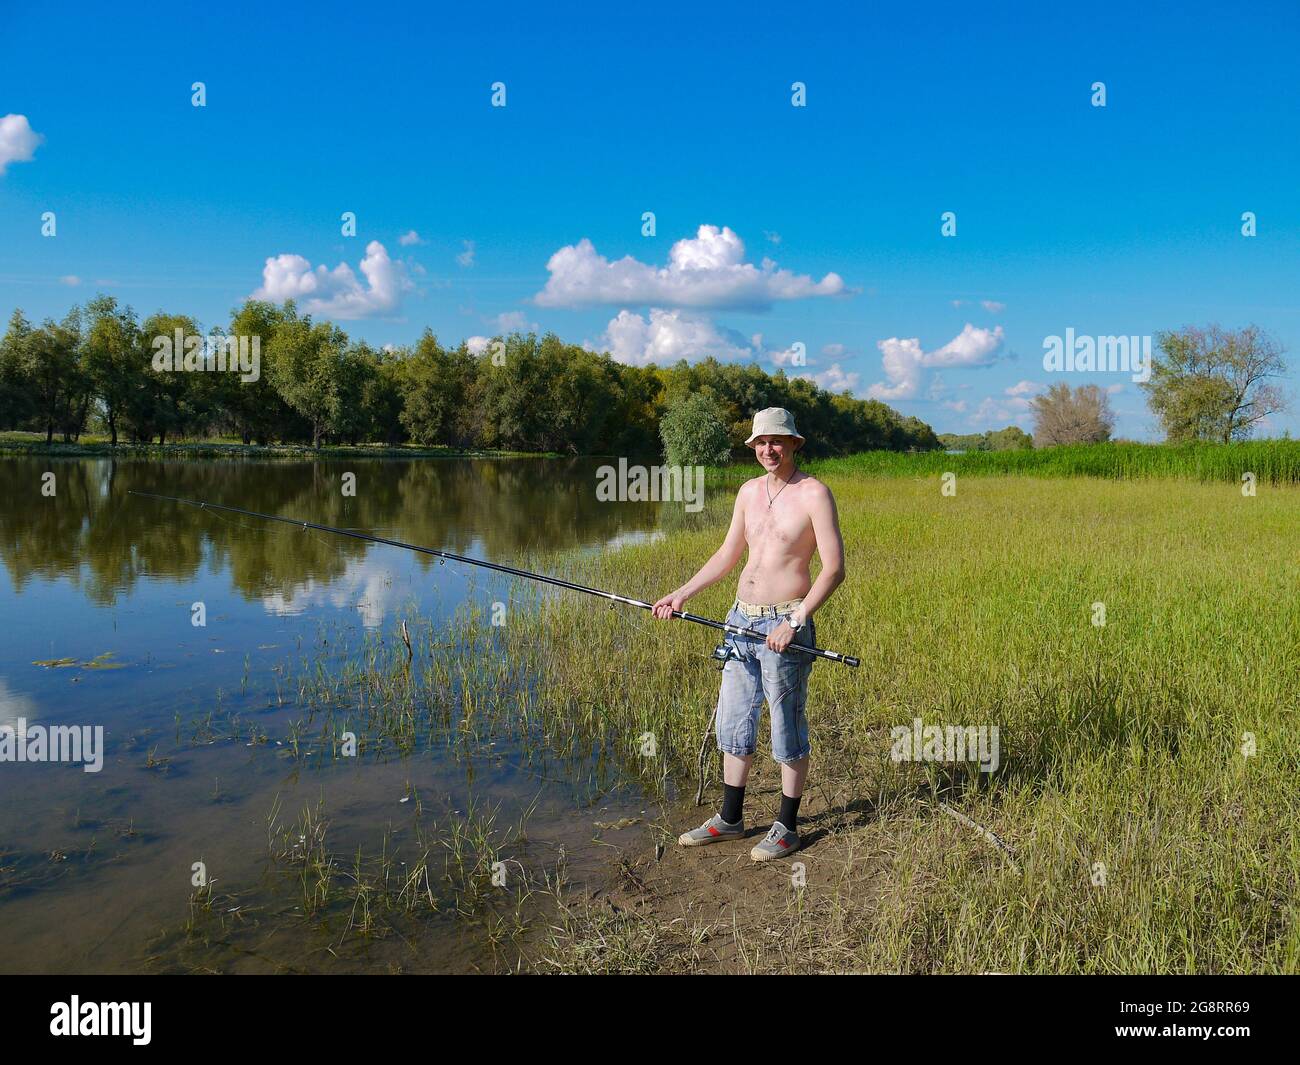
<point x="1114" y="390"/>
<point x="409" y="238"/>
<point x="958" y="405"/>
<point x="18" y="141"/>
<point x="70" y="280"/>
<point x="836" y="380"/>
<point x="993" y="306"/>
<point x="958" y="303"/>
<point x="477" y="345"/>
<point x="995" y="413"/>
<point x="466" y="258"/>
<point x="775" y="238"/>
<point x="834" y="351"/>
<point x="515" y="321"/>
<point x="1024" y="388"/>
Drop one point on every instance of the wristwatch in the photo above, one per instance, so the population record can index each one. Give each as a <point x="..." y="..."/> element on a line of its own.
<point x="795" y="622"/>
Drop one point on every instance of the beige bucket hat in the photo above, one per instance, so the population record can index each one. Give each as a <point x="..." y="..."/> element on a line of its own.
<point x="774" y="421"/>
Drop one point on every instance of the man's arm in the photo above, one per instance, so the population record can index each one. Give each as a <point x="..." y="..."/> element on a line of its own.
<point x="830" y="546"/>
<point x="722" y="562"/>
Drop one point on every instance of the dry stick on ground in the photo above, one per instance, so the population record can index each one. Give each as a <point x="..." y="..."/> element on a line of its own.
<point x="699" y="792"/>
<point x="992" y="837"/>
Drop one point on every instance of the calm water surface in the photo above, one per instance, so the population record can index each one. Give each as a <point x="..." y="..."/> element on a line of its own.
<point x="96" y="868"/>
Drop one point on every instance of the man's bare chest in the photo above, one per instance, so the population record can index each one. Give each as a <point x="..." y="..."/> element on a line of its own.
<point x="786" y="524"/>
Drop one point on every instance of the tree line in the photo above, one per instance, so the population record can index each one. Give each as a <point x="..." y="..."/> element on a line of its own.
<point x="1207" y="384"/>
<point x="94" y="371"/>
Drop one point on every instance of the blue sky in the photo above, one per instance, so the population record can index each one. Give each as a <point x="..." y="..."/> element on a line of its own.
<point x="1122" y="220"/>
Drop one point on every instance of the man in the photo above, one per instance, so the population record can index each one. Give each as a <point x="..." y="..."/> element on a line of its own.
<point x="781" y="516"/>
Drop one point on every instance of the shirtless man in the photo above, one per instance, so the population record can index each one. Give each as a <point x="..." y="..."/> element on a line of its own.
<point x="781" y="516"/>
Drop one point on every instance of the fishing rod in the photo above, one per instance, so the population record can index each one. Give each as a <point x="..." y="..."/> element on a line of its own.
<point x="733" y="630"/>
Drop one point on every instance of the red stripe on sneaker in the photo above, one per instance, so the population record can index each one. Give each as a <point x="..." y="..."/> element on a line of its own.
<point x="783" y="843"/>
<point x="713" y="831"/>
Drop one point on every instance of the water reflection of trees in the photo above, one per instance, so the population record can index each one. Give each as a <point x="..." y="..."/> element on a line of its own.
<point x="92" y="532"/>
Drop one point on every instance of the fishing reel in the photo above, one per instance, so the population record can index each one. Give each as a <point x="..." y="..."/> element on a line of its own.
<point x="724" y="651"/>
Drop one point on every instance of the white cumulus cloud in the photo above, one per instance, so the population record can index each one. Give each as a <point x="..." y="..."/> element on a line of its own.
<point x="18" y="141"/>
<point x="515" y="321"/>
<point x="993" y="306"/>
<point x="903" y="360"/>
<point x="707" y="270"/>
<point x="466" y="258"/>
<point x="408" y="238"/>
<point x="666" y="336"/>
<point x="336" y="293"/>
<point x="995" y="413"/>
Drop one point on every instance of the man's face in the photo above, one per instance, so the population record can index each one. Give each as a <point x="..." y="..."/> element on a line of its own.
<point x="774" y="450"/>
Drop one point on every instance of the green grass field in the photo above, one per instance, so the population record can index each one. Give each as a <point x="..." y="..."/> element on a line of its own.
<point x="1142" y="838"/>
<point x="1271" y="461"/>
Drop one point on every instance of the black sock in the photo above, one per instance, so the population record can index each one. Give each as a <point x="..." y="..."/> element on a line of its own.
<point x="789" y="811"/>
<point x="733" y="802"/>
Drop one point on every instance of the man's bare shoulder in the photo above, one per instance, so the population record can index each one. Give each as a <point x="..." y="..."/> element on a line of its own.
<point x="814" y="488"/>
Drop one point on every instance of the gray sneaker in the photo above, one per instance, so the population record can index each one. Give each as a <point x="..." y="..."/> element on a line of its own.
<point x="778" y="842"/>
<point x="714" y="830"/>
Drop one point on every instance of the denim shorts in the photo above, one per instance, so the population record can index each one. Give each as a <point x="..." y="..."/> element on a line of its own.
<point x="753" y="672"/>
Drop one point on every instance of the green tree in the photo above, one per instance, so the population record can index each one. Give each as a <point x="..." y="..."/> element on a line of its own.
<point x="511" y="376"/>
<point x="17" y="392"/>
<point x="57" y="381"/>
<point x="1214" y="383"/>
<point x="430" y="391"/>
<point x="382" y="399"/>
<point x="166" y="402"/>
<point x="256" y="409"/>
<point x="114" y="359"/>
<point x="358" y="369"/>
<point x="306" y="363"/>
<point x="1012" y="438"/>
<point x="694" y="434"/>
